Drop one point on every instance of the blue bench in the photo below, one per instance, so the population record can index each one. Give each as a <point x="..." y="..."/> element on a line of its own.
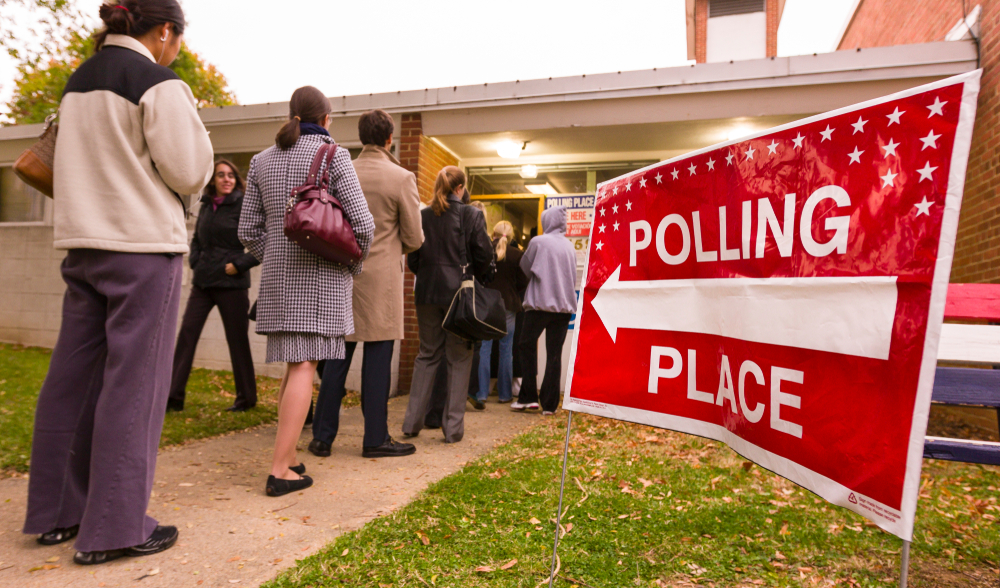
<point x="976" y="344"/>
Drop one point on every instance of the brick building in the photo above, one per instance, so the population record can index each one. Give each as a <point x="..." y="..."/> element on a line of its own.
<point x="523" y="142"/>
<point x="882" y="23"/>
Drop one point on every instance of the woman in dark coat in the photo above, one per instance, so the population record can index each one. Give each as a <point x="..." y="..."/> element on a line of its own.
<point x="454" y="236"/>
<point x="510" y="282"/>
<point x="221" y="278"/>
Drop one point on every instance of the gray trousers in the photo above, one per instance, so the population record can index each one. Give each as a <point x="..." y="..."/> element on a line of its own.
<point x="437" y="345"/>
<point x="101" y="408"/>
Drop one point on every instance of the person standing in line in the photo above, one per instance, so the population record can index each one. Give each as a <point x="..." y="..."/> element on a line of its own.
<point x="549" y="303"/>
<point x="510" y="280"/>
<point x="304" y="305"/>
<point x="391" y="193"/>
<point x="130" y="140"/>
<point x="478" y="345"/>
<point x="221" y="278"/>
<point x="454" y="238"/>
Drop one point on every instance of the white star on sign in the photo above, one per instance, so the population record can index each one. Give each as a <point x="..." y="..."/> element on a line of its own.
<point x="659" y="179"/>
<point x="859" y="127"/>
<point x="674" y="174"/>
<point x="856" y="156"/>
<point x="599" y="245"/>
<point x="616" y="225"/>
<point x="691" y="169"/>
<point x="628" y="187"/>
<point x="937" y="107"/>
<point x="887" y="179"/>
<point x="642" y="182"/>
<point x="749" y="153"/>
<point x="602" y="212"/>
<point x="930" y="141"/>
<point x="827" y="134"/>
<point x="628" y="205"/>
<point x="925" y="173"/>
<point x="890" y="148"/>
<point x="894" y="117"/>
<point x="772" y="148"/>
<point x="601" y="228"/>
<point x="798" y="140"/>
<point x="711" y="164"/>
<point x="616" y="189"/>
<point x="729" y="159"/>
<point x="614" y="209"/>
<point x="923" y="207"/>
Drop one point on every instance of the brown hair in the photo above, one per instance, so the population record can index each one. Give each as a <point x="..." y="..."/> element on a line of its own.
<point x="240" y="184"/>
<point x="375" y="127"/>
<point x="135" y="18"/>
<point x="506" y="232"/>
<point x="308" y="105"/>
<point x="448" y="180"/>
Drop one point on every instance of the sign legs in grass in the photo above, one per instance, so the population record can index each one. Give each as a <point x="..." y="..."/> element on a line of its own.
<point x="562" y="487"/>
<point x="904" y="564"/>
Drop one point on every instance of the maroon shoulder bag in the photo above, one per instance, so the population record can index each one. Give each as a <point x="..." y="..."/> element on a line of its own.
<point x="314" y="219"/>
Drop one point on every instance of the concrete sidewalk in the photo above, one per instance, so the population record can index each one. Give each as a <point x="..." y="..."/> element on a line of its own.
<point x="231" y="533"/>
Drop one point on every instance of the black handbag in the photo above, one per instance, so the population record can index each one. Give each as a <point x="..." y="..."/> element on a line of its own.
<point x="476" y="313"/>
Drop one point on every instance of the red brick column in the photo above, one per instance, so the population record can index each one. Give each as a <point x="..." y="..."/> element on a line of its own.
<point x="701" y="31"/>
<point x="409" y="156"/>
<point x="773" y="20"/>
<point x="977" y="250"/>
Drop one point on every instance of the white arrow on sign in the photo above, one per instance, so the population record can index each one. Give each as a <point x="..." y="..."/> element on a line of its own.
<point x="853" y="316"/>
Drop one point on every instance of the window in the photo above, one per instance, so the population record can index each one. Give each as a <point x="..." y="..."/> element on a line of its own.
<point x="730" y="7"/>
<point x="19" y="203"/>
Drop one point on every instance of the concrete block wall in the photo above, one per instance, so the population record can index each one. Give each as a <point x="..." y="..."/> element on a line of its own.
<point x="31" y="294"/>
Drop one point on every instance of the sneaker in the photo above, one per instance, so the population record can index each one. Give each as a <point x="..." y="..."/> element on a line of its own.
<point x="390" y="448"/>
<point x="548" y="412"/>
<point x="518" y="407"/>
<point x="476" y="403"/>
<point x="533" y="406"/>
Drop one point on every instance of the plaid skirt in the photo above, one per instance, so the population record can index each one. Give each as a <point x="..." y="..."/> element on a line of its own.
<point x="296" y="347"/>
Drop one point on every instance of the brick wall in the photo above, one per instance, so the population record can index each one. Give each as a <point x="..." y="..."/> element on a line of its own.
<point x="425" y="158"/>
<point x="884" y="23"/>
<point x="701" y="31"/>
<point x="773" y="20"/>
<point x="880" y="23"/>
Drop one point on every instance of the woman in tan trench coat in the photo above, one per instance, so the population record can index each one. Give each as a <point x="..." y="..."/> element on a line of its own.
<point x="391" y="192"/>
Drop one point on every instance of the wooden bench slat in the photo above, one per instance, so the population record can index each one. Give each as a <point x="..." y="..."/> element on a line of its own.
<point x="985" y="452"/>
<point x="971" y="343"/>
<point x="967" y="386"/>
<point x="973" y="301"/>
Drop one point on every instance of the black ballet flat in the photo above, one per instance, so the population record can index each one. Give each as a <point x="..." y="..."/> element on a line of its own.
<point x="299" y="469"/>
<point x="279" y="487"/>
<point x="57" y="536"/>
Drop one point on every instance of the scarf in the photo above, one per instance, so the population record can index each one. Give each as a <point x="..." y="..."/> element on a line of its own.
<point x="312" y="129"/>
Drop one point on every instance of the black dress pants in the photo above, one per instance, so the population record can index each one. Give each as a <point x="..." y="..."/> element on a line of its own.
<point x="376" y="380"/>
<point x="234" y="305"/>
<point x="555" y="325"/>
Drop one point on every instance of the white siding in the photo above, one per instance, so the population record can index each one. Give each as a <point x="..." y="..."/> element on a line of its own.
<point x="737" y="38"/>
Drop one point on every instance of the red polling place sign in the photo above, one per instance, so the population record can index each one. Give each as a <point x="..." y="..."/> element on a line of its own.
<point x="784" y="294"/>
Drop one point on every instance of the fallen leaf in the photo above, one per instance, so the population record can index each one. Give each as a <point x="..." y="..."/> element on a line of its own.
<point x="185" y="484"/>
<point x="345" y="552"/>
<point x="645" y="483"/>
<point x="779" y="555"/>
<point x="234" y="558"/>
<point x="484" y="569"/>
<point x="509" y="565"/>
<point x="569" y="527"/>
<point x="784" y="530"/>
<point x="624" y="516"/>
<point x="534" y="521"/>
<point x="423" y="538"/>
<point x="806" y="570"/>
<point x="53" y="559"/>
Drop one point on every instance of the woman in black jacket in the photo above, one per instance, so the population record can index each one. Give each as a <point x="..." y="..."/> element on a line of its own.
<point x="221" y="278"/>
<point x="454" y="236"/>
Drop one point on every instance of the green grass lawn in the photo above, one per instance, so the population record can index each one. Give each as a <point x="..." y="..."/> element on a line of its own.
<point x="209" y="393"/>
<point x="651" y="508"/>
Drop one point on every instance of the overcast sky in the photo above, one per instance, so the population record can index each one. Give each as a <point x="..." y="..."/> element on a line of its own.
<point x="267" y="48"/>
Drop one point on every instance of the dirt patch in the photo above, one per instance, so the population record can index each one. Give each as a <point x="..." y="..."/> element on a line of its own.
<point x="931" y="575"/>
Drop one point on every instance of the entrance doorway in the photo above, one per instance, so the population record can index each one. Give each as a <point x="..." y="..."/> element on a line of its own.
<point x="524" y="212"/>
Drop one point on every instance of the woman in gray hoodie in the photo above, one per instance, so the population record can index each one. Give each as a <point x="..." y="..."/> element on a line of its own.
<point x="549" y="303"/>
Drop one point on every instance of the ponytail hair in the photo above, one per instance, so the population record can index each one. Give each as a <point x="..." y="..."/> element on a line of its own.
<point x="505" y="231"/>
<point x="135" y="18"/>
<point x="308" y="105"/>
<point x="448" y="180"/>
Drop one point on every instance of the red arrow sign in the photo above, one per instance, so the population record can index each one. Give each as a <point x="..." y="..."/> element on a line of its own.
<point x="784" y="294"/>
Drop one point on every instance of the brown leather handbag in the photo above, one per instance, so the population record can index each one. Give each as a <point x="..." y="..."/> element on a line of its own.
<point x="34" y="166"/>
<point x="315" y="220"/>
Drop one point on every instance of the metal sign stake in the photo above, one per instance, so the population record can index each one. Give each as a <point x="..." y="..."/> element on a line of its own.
<point x="904" y="564"/>
<point x="562" y="488"/>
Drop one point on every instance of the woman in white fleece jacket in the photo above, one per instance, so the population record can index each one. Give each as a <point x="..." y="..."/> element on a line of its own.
<point x="130" y="144"/>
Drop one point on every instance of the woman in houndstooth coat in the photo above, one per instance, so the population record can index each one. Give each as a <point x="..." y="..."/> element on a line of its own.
<point x="304" y="304"/>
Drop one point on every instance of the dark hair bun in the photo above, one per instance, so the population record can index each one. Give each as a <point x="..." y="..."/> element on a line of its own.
<point x="119" y="18"/>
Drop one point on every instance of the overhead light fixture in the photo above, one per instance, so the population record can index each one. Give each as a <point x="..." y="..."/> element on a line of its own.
<point x="511" y="149"/>
<point x="544" y="188"/>
<point x="529" y="172"/>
